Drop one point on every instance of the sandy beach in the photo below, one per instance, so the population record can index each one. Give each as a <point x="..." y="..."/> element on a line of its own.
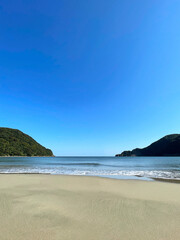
<point x="71" y="207"/>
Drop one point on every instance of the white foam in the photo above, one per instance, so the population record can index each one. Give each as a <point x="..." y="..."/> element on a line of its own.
<point x="94" y="172"/>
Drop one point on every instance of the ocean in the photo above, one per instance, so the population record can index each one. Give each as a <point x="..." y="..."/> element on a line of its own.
<point x="145" y="168"/>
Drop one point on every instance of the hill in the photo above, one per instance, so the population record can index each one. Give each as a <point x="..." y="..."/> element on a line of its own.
<point x="166" y="146"/>
<point x="16" y="143"/>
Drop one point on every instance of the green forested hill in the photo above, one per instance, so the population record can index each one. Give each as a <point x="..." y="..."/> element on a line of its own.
<point x="15" y="143"/>
<point x="166" y="146"/>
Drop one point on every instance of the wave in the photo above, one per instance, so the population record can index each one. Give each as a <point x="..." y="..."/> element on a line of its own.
<point x="105" y="173"/>
<point x="75" y="164"/>
<point x="83" y="164"/>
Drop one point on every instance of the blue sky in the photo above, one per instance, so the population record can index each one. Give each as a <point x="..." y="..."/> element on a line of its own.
<point x="90" y="77"/>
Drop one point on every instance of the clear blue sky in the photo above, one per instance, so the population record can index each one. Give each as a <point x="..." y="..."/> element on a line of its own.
<point x="90" y="77"/>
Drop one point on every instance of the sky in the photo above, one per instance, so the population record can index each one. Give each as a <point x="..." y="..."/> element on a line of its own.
<point x="92" y="77"/>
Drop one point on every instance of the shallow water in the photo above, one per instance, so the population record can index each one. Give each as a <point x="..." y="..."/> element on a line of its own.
<point x="115" y="167"/>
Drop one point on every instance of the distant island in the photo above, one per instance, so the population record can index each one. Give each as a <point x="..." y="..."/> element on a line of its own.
<point x="16" y="143"/>
<point x="166" y="146"/>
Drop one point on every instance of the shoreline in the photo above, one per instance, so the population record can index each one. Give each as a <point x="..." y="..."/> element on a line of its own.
<point x="167" y="180"/>
<point x="138" y="178"/>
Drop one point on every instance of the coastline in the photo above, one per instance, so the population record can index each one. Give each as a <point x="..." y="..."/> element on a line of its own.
<point x="167" y="180"/>
<point x="138" y="178"/>
<point x="53" y="207"/>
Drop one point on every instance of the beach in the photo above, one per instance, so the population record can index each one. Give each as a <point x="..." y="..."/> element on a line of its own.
<point x="53" y="207"/>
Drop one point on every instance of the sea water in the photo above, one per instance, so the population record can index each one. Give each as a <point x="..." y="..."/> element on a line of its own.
<point x="114" y="167"/>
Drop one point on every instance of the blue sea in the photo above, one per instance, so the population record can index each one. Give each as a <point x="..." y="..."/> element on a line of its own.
<point x="113" y="167"/>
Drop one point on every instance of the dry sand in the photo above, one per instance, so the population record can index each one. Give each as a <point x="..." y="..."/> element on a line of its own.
<point x="34" y="207"/>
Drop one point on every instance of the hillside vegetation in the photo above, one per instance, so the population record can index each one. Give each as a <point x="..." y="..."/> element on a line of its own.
<point x="166" y="146"/>
<point x="15" y="143"/>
